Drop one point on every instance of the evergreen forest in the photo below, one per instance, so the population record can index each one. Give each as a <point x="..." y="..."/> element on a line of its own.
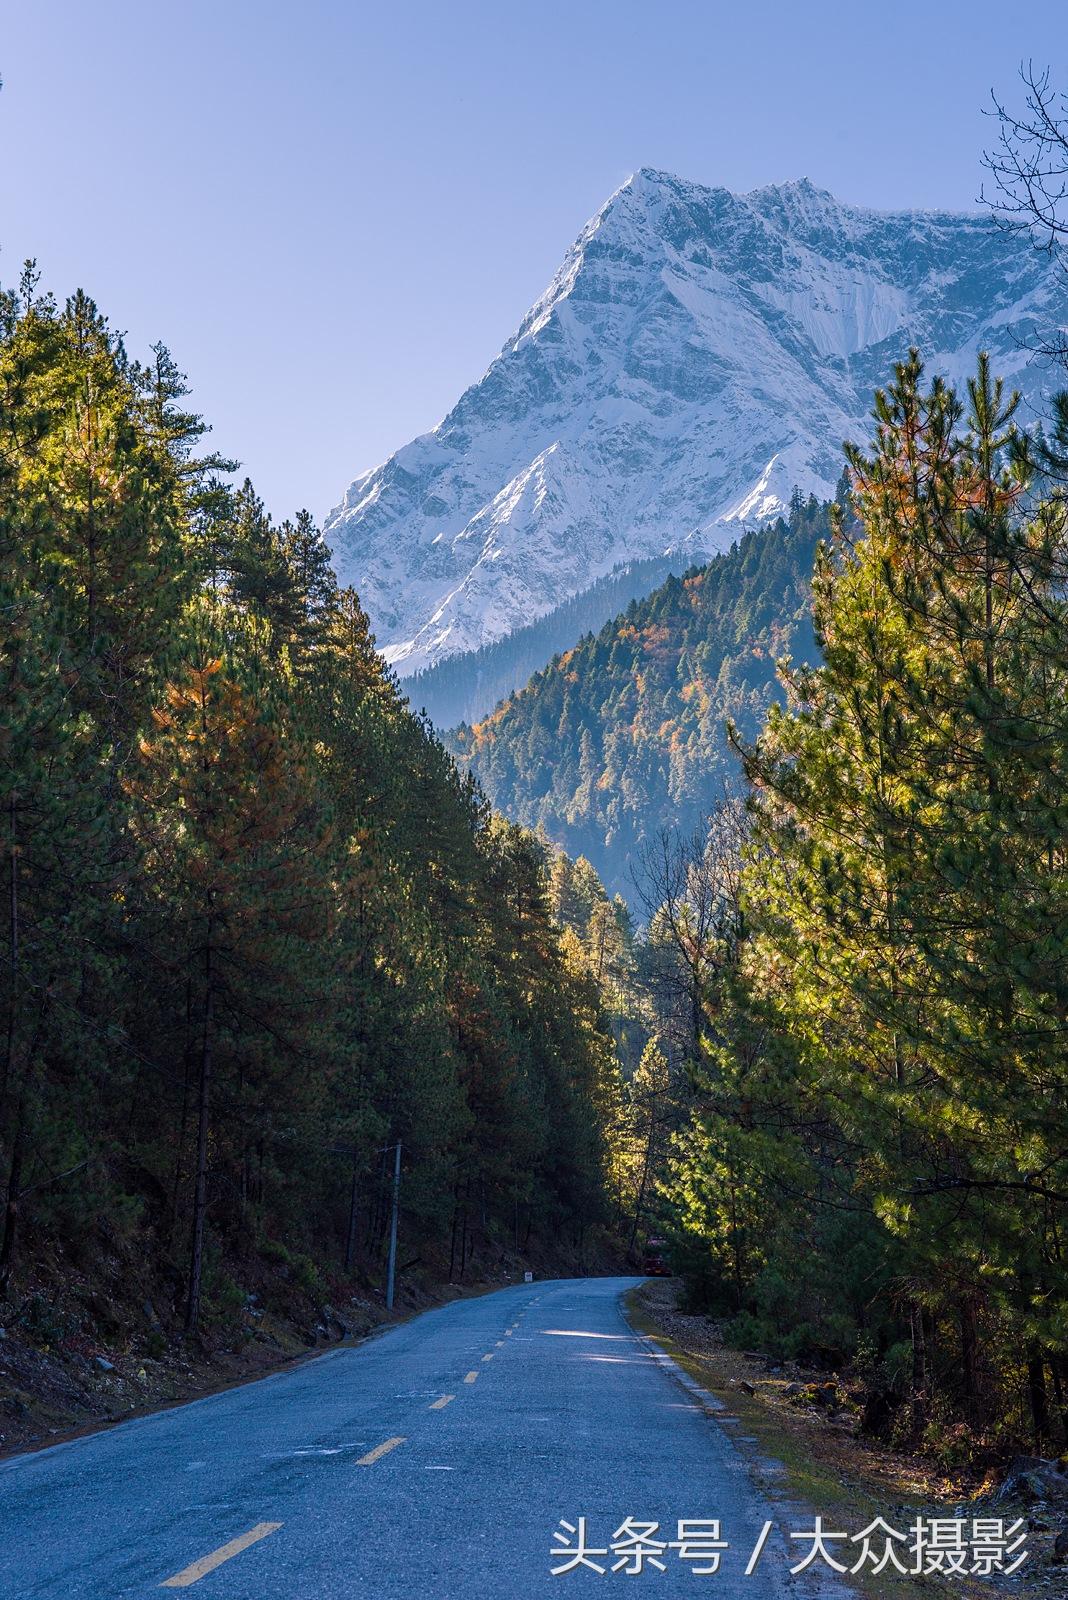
<point x="258" y="929"/>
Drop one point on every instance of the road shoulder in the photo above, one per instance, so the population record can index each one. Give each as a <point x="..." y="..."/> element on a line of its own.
<point x="799" y="1464"/>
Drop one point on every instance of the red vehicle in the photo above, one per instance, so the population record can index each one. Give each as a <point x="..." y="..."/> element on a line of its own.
<point x="654" y="1260"/>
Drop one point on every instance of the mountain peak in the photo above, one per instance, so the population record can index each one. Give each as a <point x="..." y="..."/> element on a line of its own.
<point x="655" y="184"/>
<point x="802" y="189"/>
<point x="649" y="181"/>
<point x="698" y="354"/>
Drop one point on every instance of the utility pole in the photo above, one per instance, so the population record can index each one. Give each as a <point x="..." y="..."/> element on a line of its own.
<point x="392" y="1272"/>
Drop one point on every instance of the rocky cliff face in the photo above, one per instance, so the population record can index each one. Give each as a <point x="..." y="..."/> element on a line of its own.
<point x="698" y="354"/>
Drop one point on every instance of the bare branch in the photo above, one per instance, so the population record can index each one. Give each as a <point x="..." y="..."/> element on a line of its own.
<point x="1029" y="167"/>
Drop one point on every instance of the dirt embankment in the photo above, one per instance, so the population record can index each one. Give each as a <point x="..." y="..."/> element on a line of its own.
<point x="83" y="1348"/>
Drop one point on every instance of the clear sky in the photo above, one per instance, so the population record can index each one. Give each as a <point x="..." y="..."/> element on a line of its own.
<point x="336" y="212"/>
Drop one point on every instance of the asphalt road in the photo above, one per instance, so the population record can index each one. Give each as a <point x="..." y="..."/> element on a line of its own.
<point x="434" y="1462"/>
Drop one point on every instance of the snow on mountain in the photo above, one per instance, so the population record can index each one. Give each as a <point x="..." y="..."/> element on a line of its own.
<point x="698" y="354"/>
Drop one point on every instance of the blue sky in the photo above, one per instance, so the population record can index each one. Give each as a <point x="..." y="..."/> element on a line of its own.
<point x="335" y="213"/>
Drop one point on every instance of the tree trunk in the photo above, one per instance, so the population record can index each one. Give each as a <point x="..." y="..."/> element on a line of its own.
<point x="969" y="1350"/>
<point x="13" y="949"/>
<point x="14" y="1192"/>
<point x="919" y="1369"/>
<point x="463" y="1231"/>
<point x="1036" y="1388"/>
<point x="455" y="1224"/>
<point x="354" y="1194"/>
<point x="200" y="1183"/>
<point x="183" y="1125"/>
<point x="736" y="1249"/>
<point x="641" y="1195"/>
<point x="1056" y="1367"/>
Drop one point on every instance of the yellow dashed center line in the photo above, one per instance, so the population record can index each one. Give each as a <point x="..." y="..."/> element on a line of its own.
<point x="439" y="1405"/>
<point x="200" y="1569"/>
<point x="471" y="1377"/>
<point x="379" y="1451"/>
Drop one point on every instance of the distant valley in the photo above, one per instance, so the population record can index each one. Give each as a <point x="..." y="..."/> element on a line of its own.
<point x="624" y="734"/>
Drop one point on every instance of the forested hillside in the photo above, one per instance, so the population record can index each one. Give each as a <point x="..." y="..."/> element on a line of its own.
<point x="257" y="928"/>
<point x="464" y="687"/>
<point x="624" y="734"/>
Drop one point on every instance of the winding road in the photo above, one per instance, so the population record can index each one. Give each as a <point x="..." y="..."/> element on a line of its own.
<point x="437" y="1460"/>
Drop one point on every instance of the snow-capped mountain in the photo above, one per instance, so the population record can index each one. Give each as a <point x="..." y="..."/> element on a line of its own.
<point x="698" y="354"/>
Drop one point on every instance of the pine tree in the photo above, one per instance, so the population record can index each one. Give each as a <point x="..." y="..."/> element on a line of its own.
<point x="231" y="833"/>
<point x="900" y="885"/>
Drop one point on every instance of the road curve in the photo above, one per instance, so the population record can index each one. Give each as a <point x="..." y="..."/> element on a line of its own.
<point x="433" y="1462"/>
